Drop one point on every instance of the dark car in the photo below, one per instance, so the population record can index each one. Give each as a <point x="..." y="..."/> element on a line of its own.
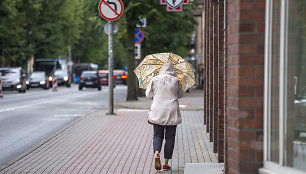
<point x="89" y="79"/>
<point x="120" y="76"/>
<point x="13" y="79"/>
<point x="104" y="78"/>
<point x="300" y="113"/>
<point x="38" y="79"/>
<point x="63" y="77"/>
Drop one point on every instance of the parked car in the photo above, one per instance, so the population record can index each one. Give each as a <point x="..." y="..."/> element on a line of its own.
<point x="89" y="79"/>
<point x="63" y="77"/>
<point x="120" y="76"/>
<point x="300" y="113"/>
<point x="104" y="78"/>
<point x="38" y="79"/>
<point x="13" y="79"/>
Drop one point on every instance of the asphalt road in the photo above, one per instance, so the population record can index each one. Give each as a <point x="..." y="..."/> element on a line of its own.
<point x="28" y="118"/>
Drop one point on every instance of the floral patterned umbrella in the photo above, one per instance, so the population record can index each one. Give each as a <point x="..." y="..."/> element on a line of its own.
<point x="151" y="65"/>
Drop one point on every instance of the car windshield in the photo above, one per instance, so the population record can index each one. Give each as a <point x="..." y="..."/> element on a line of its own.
<point x="118" y="72"/>
<point x="103" y="74"/>
<point x="61" y="73"/>
<point x="89" y="74"/>
<point x="9" y="72"/>
<point x="37" y="76"/>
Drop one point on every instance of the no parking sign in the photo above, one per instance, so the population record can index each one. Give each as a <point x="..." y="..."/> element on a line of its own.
<point x="138" y="36"/>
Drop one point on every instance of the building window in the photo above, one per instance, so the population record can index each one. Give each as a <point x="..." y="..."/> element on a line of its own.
<point x="275" y="48"/>
<point x="285" y="87"/>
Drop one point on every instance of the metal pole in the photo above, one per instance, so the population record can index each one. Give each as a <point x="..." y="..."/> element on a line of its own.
<point x="1" y="96"/>
<point x="110" y="70"/>
<point x="70" y="62"/>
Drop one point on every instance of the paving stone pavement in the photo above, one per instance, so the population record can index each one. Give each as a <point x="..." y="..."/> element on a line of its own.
<point x="122" y="143"/>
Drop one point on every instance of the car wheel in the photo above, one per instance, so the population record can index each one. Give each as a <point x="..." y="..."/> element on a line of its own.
<point x="99" y="88"/>
<point x="80" y="88"/>
<point x="68" y="85"/>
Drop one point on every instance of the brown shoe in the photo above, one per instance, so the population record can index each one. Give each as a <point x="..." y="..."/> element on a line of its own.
<point x="157" y="162"/>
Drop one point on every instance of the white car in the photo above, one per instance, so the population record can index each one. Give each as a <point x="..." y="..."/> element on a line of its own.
<point x="13" y="79"/>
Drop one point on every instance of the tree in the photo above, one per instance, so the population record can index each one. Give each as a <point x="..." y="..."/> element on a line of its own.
<point x="12" y="33"/>
<point x="59" y="23"/>
<point x="171" y="33"/>
<point x="165" y="33"/>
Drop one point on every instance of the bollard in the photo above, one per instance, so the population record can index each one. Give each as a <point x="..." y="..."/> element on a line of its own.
<point x="1" y="85"/>
<point x="54" y="83"/>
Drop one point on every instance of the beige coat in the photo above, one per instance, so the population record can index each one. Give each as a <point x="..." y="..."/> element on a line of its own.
<point x="165" y="90"/>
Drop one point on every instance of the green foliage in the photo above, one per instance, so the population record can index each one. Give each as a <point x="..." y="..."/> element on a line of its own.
<point x="59" y="24"/>
<point x="12" y="33"/>
<point x="165" y="32"/>
<point x="171" y="33"/>
<point x="51" y="28"/>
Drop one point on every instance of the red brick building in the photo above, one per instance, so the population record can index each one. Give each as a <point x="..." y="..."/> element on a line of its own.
<point x="254" y="74"/>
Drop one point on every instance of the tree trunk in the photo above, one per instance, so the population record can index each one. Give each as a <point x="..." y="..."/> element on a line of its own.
<point x="131" y="81"/>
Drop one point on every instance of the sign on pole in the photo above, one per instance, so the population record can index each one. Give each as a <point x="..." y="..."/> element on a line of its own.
<point x="115" y="28"/>
<point x="143" y="23"/>
<point x="138" y="35"/>
<point x="137" y="51"/>
<point x="174" y="5"/>
<point x="110" y="9"/>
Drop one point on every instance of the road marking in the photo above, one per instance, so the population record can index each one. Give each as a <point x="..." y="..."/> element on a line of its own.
<point x="183" y="106"/>
<point x="56" y="100"/>
<point x="67" y="115"/>
<point x="41" y="103"/>
<point x="17" y="107"/>
<point x="139" y="110"/>
<point x="84" y="103"/>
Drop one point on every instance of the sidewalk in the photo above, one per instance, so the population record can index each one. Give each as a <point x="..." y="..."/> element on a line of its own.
<point x="99" y="143"/>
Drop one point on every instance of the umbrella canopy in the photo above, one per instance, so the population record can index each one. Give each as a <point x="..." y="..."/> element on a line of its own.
<point x="151" y="65"/>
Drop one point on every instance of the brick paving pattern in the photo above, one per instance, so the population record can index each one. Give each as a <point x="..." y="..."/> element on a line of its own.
<point x="97" y="143"/>
<point x="56" y="151"/>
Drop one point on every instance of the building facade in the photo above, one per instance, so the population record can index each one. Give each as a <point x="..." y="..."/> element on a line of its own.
<point x="254" y="83"/>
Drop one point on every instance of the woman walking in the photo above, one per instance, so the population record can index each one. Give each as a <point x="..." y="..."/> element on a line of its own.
<point x="165" y="90"/>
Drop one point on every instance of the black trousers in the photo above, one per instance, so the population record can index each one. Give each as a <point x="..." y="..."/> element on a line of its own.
<point x="159" y="133"/>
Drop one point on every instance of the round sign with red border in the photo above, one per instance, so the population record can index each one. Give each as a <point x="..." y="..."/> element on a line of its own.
<point x="110" y="9"/>
<point x="138" y="36"/>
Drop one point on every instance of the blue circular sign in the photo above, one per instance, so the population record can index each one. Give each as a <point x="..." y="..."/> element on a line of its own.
<point x="138" y="36"/>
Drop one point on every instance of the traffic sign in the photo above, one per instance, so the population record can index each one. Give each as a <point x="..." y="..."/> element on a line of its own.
<point x="110" y="9"/>
<point x="143" y="22"/>
<point x="137" y="51"/>
<point x="174" y="5"/>
<point x="115" y="28"/>
<point x="138" y="36"/>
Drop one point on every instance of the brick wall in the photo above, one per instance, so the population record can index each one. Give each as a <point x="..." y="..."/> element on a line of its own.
<point x="234" y="82"/>
<point x="214" y="74"/>
<point x="221" y="88"/>
<point x="245" y="76"/>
